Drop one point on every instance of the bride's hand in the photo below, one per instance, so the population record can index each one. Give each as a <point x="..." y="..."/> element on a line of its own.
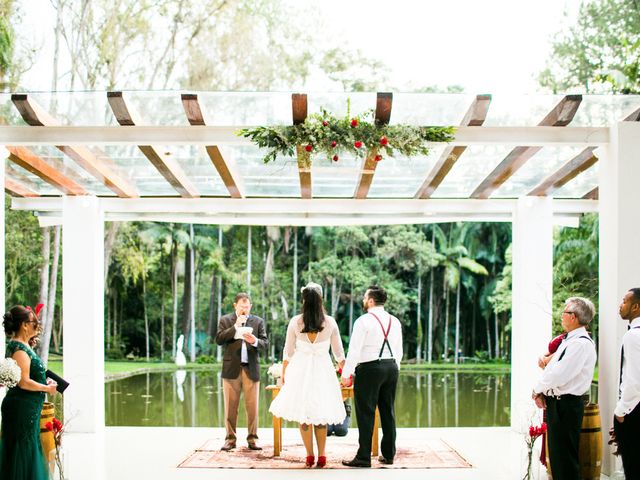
<point x="340" y="364"/>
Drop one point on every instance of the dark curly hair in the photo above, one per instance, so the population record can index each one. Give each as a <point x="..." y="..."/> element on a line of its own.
<point x="14" y="318"/>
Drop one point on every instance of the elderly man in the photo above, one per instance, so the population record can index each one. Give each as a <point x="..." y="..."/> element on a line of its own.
<point x="564" y="386"/>
<point x="241" y="367"/>
<point x="375" y="351"/>
<point x="626" y="423"/>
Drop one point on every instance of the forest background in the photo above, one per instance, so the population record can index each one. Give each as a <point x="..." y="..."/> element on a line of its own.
<point x="450" y="284"/>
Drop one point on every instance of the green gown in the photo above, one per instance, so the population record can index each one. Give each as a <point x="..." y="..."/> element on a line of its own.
<point x="21" y="456"/>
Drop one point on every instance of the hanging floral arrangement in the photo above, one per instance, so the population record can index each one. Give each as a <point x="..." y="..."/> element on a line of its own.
<point x="332" y="137"/>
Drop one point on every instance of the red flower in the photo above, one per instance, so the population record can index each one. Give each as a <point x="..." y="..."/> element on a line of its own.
<point x="354" y="122"/>
<point x="543" y="428"/>
<point x="339" y="371"/>
<point x="532" y="431"/>
<point x="335" y="158"/>
<point x="325" y="123"/>
<point x="334" y="144"/>
<point x="49" y="426"/>
<point x="378" y="158"/>
<point x="357" y="144"/>
<point x="57" y="425"/>
<point x="384" y="141"/>
<point x="309" y="147"/>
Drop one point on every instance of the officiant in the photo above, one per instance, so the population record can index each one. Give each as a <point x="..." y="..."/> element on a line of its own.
<point x="243" y="336"/>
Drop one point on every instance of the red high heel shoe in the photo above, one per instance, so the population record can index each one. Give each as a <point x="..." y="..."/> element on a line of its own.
<point x="322" y="461"/>
<point x="309" y="461"/>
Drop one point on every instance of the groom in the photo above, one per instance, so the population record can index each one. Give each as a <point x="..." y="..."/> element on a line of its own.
<point x="375" y="351"/>
<point x="241" y="368"/>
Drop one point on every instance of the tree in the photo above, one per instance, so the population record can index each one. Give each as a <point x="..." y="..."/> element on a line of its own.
<point x="600" y="53"/>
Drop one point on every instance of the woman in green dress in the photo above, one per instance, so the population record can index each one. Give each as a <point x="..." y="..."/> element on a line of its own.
<point x="21" y="456"/>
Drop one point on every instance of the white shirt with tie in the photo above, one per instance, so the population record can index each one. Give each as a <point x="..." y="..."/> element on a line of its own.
<point x="630" y="385"/>
<point x="570" y="371"/>
<point x="367" y="338"/>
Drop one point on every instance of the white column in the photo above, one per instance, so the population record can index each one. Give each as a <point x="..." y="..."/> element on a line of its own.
<point x="531" y="300"/>
<point x="619" y="197"/>
<point x="83" y="333"/>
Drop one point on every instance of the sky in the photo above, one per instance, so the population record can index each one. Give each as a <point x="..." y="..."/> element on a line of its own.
<point x="489" y="46"/>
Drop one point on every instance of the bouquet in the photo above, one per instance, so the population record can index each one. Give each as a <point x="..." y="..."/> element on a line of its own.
<point x="10" y="373"/>
<point x="57" y="428"/>
<point x="275" y="370"/>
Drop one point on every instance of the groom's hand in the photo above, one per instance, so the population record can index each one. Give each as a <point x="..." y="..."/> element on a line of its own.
<point x="249" y="338"/>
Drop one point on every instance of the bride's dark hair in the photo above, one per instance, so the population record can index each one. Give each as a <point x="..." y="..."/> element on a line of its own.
<point x="312" y="310"/>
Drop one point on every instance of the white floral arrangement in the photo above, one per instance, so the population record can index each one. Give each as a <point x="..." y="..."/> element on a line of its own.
<point x="275" y="370"/>
<point x="10" y="373"/>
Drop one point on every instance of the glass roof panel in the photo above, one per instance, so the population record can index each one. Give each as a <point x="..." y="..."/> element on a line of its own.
<point x="242" y="108"/>
<point x="581" y="185"/>
<point x="71" y="169"/>
<point x="535" y="170"/>
<point x="429" y="109"/>
<point x="76" y="108"/>
<point x="28" y="179"/>
<point x="402" y="176"/>
<point x="274" y="179"/>
<point x="198" y="168"/>
<point x="156" y="108"/>
<point x="475" y="163"/>
<point x="604" y="110"/>
<point x="335" y="179"/>
<point x="519" y="110"/>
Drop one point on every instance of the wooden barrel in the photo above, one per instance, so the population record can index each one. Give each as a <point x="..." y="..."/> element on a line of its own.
<point x="590" y="449"/>
<point x="46" y="436"/>
<point x="591" y="443"/>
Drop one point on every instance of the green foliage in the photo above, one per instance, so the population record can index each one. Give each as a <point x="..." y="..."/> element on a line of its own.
<point x="600" y="53"/>
<point x="501" y="298"/>
<point x="331" y="136"/>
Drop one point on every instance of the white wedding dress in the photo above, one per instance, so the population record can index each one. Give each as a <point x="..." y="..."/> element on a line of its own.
<point x="311" y="392"/>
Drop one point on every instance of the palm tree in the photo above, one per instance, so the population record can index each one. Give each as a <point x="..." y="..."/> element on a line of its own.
<point x="455" y="260"/>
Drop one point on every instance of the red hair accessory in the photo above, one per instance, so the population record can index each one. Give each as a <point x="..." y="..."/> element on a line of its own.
<point x="39" y="307"/>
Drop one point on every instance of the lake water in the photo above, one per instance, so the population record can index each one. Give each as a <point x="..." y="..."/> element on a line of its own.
<point x="194" y="399"/>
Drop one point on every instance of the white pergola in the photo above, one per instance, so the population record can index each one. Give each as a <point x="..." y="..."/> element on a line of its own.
<point x="534" y="161"/>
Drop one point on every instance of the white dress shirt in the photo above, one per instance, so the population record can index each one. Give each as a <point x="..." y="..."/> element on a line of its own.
<point x="244" y="356"/>
<point x="367" y="338"/>
<point x="630" y="386"/>
<point x="570" y="370"/>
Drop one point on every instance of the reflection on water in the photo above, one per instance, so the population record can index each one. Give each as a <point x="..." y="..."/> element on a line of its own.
<point x="194" y="399"/>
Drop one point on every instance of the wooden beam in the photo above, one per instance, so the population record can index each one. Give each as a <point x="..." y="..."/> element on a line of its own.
<point x="16" y="189"/>
<point x="167" y="166"/>
<point x="592" y="194"/>
<point x="227" y="172"/>
<point x="560" y="116"/>
<point x="633" y="116"/>
<point x="299" y="114"/>
<point x="31" y="162"/>
<point x="36" y="116"/>
<point x="578" y="164"/>
<point x="383" y="115"/>
<point x="474" y="117"/>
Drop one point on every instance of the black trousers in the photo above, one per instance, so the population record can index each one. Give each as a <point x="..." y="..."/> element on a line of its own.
<point x="628" y="436"/>
<point x="564" y="422"/>
<point x="375" y="386"/>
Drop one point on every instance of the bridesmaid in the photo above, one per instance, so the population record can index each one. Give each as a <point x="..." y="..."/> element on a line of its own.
<point x="21" y="456"/>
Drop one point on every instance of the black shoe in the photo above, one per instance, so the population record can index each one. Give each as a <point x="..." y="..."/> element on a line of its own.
<point x="386" y="461"/>
<point x="228" y="445"/>
<point x="253" y="446"/>
<point x="356" y="462"/>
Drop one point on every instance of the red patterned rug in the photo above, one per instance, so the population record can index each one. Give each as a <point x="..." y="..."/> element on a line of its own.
<point x="432" y="453"/>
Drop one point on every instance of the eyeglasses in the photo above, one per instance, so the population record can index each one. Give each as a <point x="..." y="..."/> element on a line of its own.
<point x="569" y="311"/>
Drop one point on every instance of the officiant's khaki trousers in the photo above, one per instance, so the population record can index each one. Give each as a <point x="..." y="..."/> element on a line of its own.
<point x="231" y="391"/>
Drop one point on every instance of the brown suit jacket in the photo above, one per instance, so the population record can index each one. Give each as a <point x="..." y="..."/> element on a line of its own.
<point x="232" y="348"/>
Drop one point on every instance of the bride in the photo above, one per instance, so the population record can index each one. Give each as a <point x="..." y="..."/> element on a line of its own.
<point x="311" y="392"/>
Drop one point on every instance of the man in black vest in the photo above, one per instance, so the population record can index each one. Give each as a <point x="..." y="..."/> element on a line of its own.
<point x="375" y="351"/>
<point x="564" y="386"/>
<point x="241" y="368"/>
<point x="626" y="424"/>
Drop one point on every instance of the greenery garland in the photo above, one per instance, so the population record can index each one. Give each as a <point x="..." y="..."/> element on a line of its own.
<point x="359" y="135"/>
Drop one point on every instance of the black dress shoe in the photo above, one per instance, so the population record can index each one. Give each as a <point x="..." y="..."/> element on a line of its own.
<point x="386" y="461"/>
<point x="253" y="446"/>
<point x="356" y="462"/>
<point x="228" y="445"/>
